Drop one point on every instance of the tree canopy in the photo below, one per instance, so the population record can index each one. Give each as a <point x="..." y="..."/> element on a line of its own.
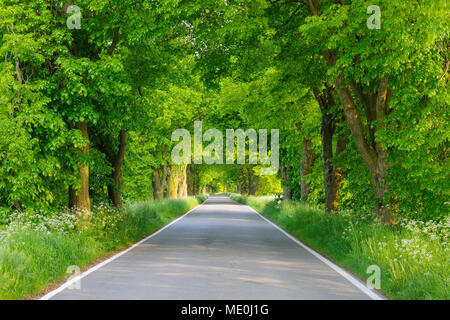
<point x="87" y="112"/>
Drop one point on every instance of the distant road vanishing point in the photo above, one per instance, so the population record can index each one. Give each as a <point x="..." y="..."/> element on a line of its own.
<point x="218" y="250"/>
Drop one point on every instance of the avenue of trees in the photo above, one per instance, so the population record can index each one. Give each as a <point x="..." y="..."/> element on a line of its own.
<point x="87" y="114"/>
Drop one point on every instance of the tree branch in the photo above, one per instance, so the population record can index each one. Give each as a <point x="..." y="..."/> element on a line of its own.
<point x="355" y="123"/>
<point x="114" y="42"/>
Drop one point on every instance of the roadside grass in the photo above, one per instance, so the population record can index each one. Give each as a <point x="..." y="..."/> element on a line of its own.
<point x="414" y="258"/>
<point x="36" y="250"/>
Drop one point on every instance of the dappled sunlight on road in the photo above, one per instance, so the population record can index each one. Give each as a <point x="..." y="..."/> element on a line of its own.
<point x="221" y="250"/>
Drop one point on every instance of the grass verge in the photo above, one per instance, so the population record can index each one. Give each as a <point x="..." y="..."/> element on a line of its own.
<point x="36" y="250"/>
<point x="413" y="259"/>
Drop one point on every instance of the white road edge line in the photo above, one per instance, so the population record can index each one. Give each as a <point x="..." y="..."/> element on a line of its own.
<point x="114" y="257"/>
<point x="356" y="282"/>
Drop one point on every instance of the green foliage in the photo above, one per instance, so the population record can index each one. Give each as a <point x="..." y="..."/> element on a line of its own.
<point x="411" y="48"/>
<point x="147" y="68"/>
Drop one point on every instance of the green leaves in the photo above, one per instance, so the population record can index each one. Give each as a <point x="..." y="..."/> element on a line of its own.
<point x="149" y="67"/>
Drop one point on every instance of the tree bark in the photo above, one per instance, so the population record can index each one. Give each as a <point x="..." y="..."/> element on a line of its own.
<point x="174" y="181"/>
<point x="72" y="196"/>
<point x="72" y="191"/>
<point x="82" y="199"/>
<point x="169" y="173"/>
<point x="306" y="168"/>
<point x="115" y="159"/>
<point x="159" y="181"/>
<point x="373" y="153"/>
<point x="192" y="180"/>
<point x="333" y="179"/>
<point x="332" y="174"/>
<point x="115" y="190"/>
<point x="244" y="179"/>
<point x="376" y="105"/>
<point x="182" y="186"/>
<point x="252" y="182"/>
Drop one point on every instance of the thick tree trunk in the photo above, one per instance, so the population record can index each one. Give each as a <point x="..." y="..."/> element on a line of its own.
<point x="72" y="196"/>
<point x="169" y="173"/>
<point x="244" y="179"/>
<point x="156" y="184"/>
<point x="174" y="181"/>
<point x="72" y="191"/>
<point x="382" y="211"/>
<point x="306" y="167"/>
<point x="327" y="131"/>
<point x="376" y="105"/>
<point x="82" y="199"/>
<point x="332" y="175"/>
<point x="182" y="186"/>
<point x="372" y="152"/>
<point x="252" y="182"/>
<point x="287" y="194"/>
<point x="159" y="181"/>
<point x="116" y="160"/>
<point x="192" y="180"/>
<point x="333" y="179"/>
<point x="115" y="190"/>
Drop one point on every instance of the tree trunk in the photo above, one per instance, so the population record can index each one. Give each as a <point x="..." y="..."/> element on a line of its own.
<point x="382" y="212"/>
<point x="115" y="159"/>
<point x="182" y="186"/>
<point x="244" y="179"/>
<point x="333" y="179"/>
<point x="373" y="153"/>
<point x="306" y="167"/>
<point x="376" y="105"/>
<point x="115" y="190"/>
<point x="82" y="199"/>
<point x="332" y="175"/>
<point x="327" y="130"/>
<point x="192" y="180"/>
<point x="159" y="181"/>
<point x="252" y="182"/>
<point x="72" y="196"/>
<point x="287" y="194"/>
<point x="174" y="181"/>
<point x="169" y="174"/>
<point x="156" y="184"/>
<point x="72" y="191"/>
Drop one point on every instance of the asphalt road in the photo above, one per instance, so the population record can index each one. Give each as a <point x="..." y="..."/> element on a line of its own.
<point x="220" y="250"/>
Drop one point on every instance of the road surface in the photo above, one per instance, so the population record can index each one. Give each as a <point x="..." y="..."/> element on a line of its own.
<point x="219" y="250"/>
